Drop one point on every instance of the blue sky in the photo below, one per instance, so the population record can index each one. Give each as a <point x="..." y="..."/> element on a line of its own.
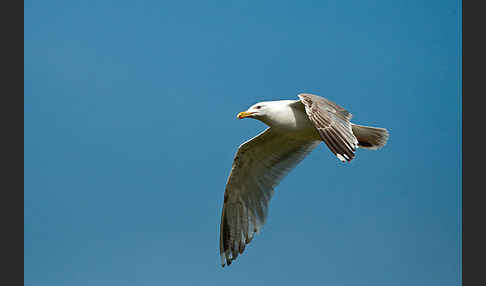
<point x="130" y="132"/>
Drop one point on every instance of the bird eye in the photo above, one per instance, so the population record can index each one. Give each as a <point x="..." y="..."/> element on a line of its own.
<point x="258" y="107"/>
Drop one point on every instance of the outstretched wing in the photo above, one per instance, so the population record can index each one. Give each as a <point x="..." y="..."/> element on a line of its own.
<point x="332" y="123"/>
<point x="259" y="165"/>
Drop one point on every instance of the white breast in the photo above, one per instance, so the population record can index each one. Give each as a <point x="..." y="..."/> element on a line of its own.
<point x="293" y="121"/>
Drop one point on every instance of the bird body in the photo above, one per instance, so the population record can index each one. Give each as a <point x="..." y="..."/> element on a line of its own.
<point x="289" y="119"/>
<point x="296" y="127"/>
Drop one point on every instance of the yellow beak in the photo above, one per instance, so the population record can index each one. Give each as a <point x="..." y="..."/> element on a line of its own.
<point x="244" y="114"/>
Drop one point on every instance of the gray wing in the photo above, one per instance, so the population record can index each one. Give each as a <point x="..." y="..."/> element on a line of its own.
<point x="259" y="165"/>
<point x="332" y="123"/>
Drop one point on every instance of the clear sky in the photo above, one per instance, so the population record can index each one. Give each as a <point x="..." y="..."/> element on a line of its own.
<point x="130" y="132"/>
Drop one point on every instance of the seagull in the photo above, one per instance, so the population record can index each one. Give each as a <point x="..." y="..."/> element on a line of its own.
<point x="295" y="128"/>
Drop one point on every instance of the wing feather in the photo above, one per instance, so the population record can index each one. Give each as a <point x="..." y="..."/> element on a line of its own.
<point x="333" y="125"/>
<point x="259" y="165"/>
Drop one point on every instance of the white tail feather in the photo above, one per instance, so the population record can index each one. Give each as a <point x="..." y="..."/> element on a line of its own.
<point x="370" y="137"/>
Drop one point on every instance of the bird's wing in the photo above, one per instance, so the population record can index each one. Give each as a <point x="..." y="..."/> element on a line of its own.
<point x="259" y="165"/>
<point x="332" y="123"/>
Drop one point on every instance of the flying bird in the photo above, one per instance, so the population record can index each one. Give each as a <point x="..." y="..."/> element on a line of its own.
<point x="296" y="127"/>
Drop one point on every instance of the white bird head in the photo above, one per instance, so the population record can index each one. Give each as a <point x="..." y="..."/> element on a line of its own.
<point x="255" y="111"/>
<point x="263" y="110"/>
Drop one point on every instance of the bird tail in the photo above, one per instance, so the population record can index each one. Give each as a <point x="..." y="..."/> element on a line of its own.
<point x="370" y="137"/>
